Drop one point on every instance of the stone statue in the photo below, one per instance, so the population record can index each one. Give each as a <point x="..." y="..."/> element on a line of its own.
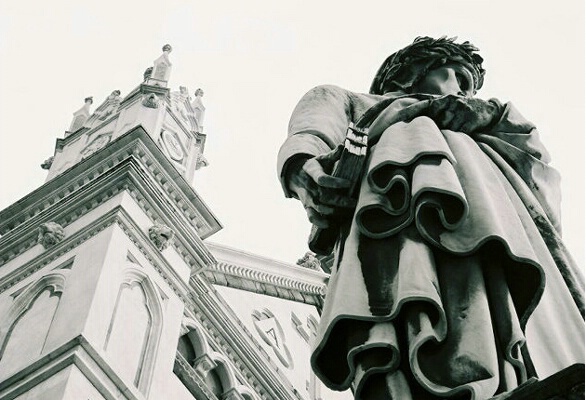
<point x="162" y="68"/>
<point x="449" y="278"/>
<point x="47" y="163"/>
<point x="198" y="108"/>
<point x="161" y="236"/>
<point x="81" y="116"/>
<point x="50" y="233"/>
<point x="147" y="74"/>
<point x="309" y="260"/>
<point x="109" y="107"/>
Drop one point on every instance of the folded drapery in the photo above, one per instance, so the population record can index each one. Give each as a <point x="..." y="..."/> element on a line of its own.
<point x="451" y="279"/>
<point x="446" y="258"/>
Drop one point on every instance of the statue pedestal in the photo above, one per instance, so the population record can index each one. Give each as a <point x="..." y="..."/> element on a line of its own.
<point x="567" y="384"/>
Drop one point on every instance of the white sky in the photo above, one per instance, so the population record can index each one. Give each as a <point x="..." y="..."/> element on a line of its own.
<point x="254" y="60"/>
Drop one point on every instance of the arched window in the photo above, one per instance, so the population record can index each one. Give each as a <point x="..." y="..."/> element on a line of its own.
<point x="214" y="383"/>
<point x="135" y="328"/>
<point x="24" y="331"/>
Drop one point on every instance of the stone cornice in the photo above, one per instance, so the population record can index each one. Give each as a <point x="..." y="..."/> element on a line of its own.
<point x="131" y="166"/>
<point x="137" y="144"/>
<point x="124" y="178"/>
<point x="115" y="216"/>
<point x="263" y="275"/>
<point x="77" y="351"/>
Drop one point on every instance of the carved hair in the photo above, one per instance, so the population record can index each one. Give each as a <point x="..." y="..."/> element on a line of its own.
<point x="405" y="68"/>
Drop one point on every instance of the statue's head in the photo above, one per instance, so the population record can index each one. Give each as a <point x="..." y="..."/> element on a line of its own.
<point x="167" y="48"/>
<point x="89" y="100"/>
<point x="199" y="92"/>
<point x="405" y="69"/>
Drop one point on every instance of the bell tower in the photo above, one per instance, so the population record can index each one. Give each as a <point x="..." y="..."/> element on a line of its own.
<point x="107" y="288"/>
<point x="96" y="264"/>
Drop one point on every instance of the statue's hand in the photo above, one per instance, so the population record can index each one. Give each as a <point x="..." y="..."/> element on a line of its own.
<point x="323" y="195"/>
<point x="463" y="114"/>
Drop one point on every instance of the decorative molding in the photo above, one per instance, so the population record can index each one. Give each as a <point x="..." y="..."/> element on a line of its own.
<point x="68" y="199"/>
<point x="255" y="275"/>
<point x="270" y="330"/>
<point x="50" y="233"/>
<point x="96" y="144"/>
<point x="161" y="236"/>
<point x="115" y="216"/>
<point x="173" y="145"/>
<point x="76" y="352"/>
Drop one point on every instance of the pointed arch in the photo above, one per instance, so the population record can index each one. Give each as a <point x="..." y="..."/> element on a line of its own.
<point x="22" y="340"/>
<point x="135" y="328"/>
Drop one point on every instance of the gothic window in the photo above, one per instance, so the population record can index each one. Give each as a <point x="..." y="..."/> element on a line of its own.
<point x="24" y="332"/>
<point x="134" y="330"/>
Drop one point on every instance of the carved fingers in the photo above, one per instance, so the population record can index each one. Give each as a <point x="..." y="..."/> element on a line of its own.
<point x="324" y="196"/>
<point x="462" y="114"/>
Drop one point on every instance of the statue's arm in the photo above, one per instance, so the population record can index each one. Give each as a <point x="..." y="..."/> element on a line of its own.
<point x="318" y="124"/>
<point x="513" y="128"/>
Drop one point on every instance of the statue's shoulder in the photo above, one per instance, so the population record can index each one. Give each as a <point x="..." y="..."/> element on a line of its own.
<point x="329" y="92"/>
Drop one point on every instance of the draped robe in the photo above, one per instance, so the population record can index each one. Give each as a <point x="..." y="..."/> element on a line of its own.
<point x="451" y="278"/>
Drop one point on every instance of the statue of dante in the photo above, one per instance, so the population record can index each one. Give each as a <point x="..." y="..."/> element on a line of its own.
<point x="449" y="279"/>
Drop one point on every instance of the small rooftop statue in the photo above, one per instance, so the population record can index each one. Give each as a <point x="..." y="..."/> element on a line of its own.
<point x="147" y="74"/>
<point x="161" y="68"/>
<point x="309" y="260"/>
<point x="198" y="108"/>
<point x="81" y="115"/>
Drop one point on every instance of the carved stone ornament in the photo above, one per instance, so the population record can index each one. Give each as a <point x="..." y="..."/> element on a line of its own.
<point x="96" y="145"/>
<point x="50" y="233"/>
<point x="309" y="260"/>
<point x="201" y="161"/>
<point x="271" y="332"/>
<point x="172" y="145"/>
<point x="160" y="235"/>
<point x="47" y="163"/>
<point x="151" y="101"/>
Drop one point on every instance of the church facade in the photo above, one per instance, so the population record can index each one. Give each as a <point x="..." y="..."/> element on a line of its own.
<point x="109" y="288"/>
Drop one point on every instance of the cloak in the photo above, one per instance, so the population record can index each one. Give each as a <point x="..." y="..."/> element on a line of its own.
<point x="450" y="278"/>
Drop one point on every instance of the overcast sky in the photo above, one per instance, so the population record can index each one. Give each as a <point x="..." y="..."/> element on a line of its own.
<point x="254" y="60"/>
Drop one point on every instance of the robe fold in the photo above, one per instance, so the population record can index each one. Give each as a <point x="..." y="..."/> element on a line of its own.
<point x="450" y="280"/>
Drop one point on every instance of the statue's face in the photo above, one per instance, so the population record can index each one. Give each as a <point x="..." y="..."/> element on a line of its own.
<point x="451" y="78"/>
